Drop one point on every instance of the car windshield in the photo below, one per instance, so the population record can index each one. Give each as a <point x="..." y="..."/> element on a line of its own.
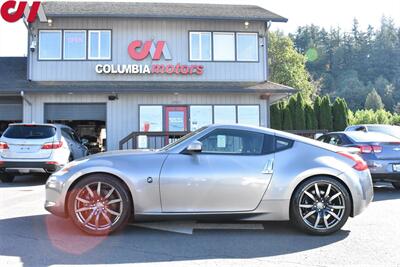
<point x="29" y="132"/>
<point x="182" y="139"/>
<point x="390" y="130"/>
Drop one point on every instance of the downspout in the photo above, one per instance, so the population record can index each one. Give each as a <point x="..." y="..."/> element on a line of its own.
<point x="29" y="71"/>
<point x="266" y="71"/>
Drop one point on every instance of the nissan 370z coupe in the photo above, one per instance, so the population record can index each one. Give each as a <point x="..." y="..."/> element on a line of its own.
<point x="219" y="171"/>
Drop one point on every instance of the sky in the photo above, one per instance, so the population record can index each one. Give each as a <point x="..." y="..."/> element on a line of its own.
<point x="326" y="13"/>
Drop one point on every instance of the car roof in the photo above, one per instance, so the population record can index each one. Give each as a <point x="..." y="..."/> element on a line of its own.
<point x="40" y="124"/>
<point x="368" y="137"/>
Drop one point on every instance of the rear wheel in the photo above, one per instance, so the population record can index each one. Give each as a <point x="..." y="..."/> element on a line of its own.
<point x="6" y="178"/>
<point x="100" y="204"/>
<point x="396" y="185"/>
<point x="320" y="206"/>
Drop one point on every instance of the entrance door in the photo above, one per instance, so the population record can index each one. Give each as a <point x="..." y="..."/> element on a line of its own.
<point x="176" y="118"/>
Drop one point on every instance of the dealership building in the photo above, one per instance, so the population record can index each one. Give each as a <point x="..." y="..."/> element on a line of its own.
<point x="142" y="74"/>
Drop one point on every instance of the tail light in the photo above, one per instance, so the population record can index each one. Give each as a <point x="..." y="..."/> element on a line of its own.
<point x="360" y="164"/>
<point x="365" y="149"/>
<point x="4" y="145"/>
<point x="53" y="145"/>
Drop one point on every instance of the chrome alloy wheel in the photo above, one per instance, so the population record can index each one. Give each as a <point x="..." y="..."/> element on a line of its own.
<point x="322" y="205"/>
<point x="98" y="206"/>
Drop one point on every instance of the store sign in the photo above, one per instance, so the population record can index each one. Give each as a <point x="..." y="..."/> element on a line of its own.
<point x="11" y="13"/>
<point x="139" y="51"/>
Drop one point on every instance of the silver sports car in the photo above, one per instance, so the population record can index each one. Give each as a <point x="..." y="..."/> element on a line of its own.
<point x="219" y="171"/>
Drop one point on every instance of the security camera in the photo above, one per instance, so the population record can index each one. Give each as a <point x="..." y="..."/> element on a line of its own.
<point x="33" y="46"/>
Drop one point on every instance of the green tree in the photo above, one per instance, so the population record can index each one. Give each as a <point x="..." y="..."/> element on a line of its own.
<point x="317" y="111"/>
<point x="276" y="117"/>
<point x="311" y="120"/>
<point x="287" y="66"/>
<point x="373" y="101"/>
<point x="339" y="114"/>
<point x="326" y="114"/>
<point x="299" y="121"/>
<point x="287" y="119"/>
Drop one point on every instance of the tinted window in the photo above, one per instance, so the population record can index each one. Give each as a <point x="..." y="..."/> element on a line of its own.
<point x="233" y="142"/>
<point x="282" y="144"/>
<point x="29" y="132"/>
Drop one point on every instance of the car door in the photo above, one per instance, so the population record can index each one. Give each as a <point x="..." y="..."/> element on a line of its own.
<point x="67" y="134"/>
<point x="81" y="150"/>
<point x="231" y="173"/>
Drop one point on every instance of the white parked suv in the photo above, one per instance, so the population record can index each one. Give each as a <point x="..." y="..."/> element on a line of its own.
<point x="37" y="148"/>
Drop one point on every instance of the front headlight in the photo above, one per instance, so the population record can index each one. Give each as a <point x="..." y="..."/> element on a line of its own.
<point x="53" y="182"/>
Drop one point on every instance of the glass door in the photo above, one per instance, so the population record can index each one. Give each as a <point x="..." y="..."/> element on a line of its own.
<point x="176" y="118"/>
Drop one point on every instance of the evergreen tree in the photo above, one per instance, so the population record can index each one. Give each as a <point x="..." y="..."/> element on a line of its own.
<point x="287" y="119"/>
<point x="276" y="117"/>
<point x="373" y="101"/>
<point x="326" y="114"/>
<point x="299" y="121"/>
<point x="311" y="120"/>
<point x="340" y="115"/>
<point x="317" y="111"/>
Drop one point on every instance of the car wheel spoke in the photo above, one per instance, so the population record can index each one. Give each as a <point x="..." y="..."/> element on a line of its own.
<point x="317" y="190"/>
<point x="334" y="215"/>
<point x="89" y="191"/>
<point x="83" y="209"/>
<point x="114" y="201"/>
<point x="90" y="217"/>
<point x="109" y="193"/>
<point x="98" y="189"/>
<point x="335" y="196"/>
<point x="107" y="218"/>
<point x="317" y="220"/>
<point x="326" y="221"/>
<point x="306" y="206"/>
<point x="328" y="191"/>
<point x="309" y="214"/>
<point x="310" y="195"/>
<point x="96" y="221"/>
<point x="335" y="207"/>
<point x="83" y="200"/>
<point x="113" y="212"/>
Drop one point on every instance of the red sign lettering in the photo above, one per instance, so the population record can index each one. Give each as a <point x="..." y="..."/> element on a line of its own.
<point x="19" y="12"/>
<point x="139" y="51"/>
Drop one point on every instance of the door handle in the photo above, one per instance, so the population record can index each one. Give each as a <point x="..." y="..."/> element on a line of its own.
<point x="269" y="167"/>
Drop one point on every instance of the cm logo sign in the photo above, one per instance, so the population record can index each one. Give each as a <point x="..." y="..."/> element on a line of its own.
<point x="139" y="50"/>
<point x="11" y="12"/>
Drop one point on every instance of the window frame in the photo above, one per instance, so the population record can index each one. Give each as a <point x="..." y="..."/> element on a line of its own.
<point x="200" y="46"/>
<point x="257" y="47"/>
<point x="262" y="153"/>
<point x="61" y="45"/>
<point x="99" y="46"/>
<point x="234" y="46"/>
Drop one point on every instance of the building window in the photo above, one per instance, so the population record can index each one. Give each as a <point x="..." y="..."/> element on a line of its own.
<point x="100" y="45"/>
<point x="247" y="46"/>
<point x="200" y="116"/>
<point x="224" y="46"/>
<point x="74" y="45"/>
<point x="249" y="115"/>
<point x="151" y="118"/>
<point x="225" y="114"/>
<point x="200" y="46"/>
<point x="50" y="45"/>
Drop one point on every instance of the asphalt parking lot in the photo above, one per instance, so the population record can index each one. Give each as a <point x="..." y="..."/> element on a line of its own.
<point x="29" y="236"/>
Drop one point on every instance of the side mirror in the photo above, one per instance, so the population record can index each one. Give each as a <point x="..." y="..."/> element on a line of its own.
<point x="195" y="147"/>
<point x="84" y="141"/>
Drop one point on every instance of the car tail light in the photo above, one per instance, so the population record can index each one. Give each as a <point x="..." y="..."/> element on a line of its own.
<point x="4" y="145"/>
<point x="52" y="163"/>
<point x="365" y="149"/>
<point x="360" y="164"/>
<point x="53" y="145"/>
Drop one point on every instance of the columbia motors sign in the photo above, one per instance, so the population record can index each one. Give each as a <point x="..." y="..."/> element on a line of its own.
<point x="139" y="50"/>
<point x="12" y="11"/>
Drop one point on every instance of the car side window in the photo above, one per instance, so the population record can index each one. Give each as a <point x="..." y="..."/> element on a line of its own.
<point x="334" y="140"/>
<point x="66" y="133"/>
<point x="229" y="141"/>
<point x="283" y="144"/>
<point x="75" y="137"/>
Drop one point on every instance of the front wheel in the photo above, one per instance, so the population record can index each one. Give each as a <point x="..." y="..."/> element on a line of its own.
<point x="396" y="185"/>
<point x="320" y="206"/>
<point x="100" y="204"/>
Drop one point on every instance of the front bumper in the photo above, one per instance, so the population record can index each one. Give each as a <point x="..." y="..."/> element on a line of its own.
<point x="55" y="197"/>
<point x="26" y="167"/>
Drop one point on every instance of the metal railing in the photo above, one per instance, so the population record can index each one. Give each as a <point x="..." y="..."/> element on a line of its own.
<point x="156" y="140"/>
<point x="149" y="140"/>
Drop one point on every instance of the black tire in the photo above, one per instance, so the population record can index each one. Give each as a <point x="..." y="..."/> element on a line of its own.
<point x="396" y="185"/>
<point x="6" y="178"/>
<point x="321" y="206"/>
<point x="120" y="192"/>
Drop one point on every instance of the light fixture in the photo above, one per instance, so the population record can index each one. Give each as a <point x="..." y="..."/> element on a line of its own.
<point x="50" y="22"/>
<point x="246" y="24"/>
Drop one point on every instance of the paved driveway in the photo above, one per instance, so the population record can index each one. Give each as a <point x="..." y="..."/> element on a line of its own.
<point x="29" y="236"/>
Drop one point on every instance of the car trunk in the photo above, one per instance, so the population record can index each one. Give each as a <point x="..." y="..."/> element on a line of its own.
<point x="389" y="151"/>
<point x="26" y="142"/>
